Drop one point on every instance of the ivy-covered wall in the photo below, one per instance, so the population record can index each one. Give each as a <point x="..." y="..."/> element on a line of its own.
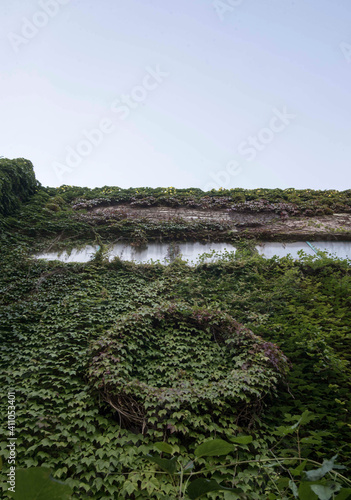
<point x="71" y="336"/>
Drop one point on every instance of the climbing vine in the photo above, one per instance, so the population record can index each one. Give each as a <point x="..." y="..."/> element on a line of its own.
<point x="55" y="318"/>
<point x="170" y="366"/>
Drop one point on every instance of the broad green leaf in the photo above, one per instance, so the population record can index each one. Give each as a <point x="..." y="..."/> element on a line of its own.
<point x="317" y="474"/>
<point x="231" y="495"/>
<point x="165" y="447"/>
<point x="282" y="483"/>
<point x="344" y="494"/>
<point x="202" y="486"/>
<point x="241" y="439"/>
<point x="35" y="483"/>
<point x="213" y="448"/>
<point x="169" y="466"/>
<point x="305" y="492"/>
<point x="324" y="492"/>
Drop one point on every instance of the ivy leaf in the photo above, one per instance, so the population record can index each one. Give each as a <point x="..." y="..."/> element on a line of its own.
<point x="241" y="439"/>
<point x="98" y="483"/>
<point x="306" y="417"/>
<point x="36" y="483"/>
<point x="283" y="430"/>
<point x="129" y="487"/>
<point x="213" y="448"/>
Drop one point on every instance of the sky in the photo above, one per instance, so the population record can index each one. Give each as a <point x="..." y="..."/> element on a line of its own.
<point x="187" y="93"/>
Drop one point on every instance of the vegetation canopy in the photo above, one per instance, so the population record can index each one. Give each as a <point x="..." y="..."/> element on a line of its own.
<point x="17" y="183"/>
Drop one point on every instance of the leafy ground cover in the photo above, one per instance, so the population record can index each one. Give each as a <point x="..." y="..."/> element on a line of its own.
<point x="169" y="363"/>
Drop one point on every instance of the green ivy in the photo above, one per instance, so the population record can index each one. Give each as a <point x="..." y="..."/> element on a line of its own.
<point x="53" y="314"/>
<point x="17" y="184"/>
<point x="178" y="369"/>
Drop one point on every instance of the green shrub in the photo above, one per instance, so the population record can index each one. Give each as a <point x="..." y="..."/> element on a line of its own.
<point x="54" y="207"/>
<point x="17" y="183"/>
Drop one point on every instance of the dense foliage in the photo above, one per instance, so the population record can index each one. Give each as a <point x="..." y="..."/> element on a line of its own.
<point x="296" y="201"/>
<point x="55" y="221"/>
<point x="17" y="183"/>
<point x="178" y="368"/>
<point x="51" y="312"/>
<point x="53" y="315"/>
<point x="67" y="213"/>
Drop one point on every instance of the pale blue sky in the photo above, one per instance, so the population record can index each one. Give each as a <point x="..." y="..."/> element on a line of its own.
<point x="253" y="95"/>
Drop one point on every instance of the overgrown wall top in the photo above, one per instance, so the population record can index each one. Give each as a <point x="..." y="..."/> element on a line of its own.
<point x="17" y="183"/>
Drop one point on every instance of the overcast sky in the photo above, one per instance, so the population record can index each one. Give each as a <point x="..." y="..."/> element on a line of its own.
<point x="183" y="93"/>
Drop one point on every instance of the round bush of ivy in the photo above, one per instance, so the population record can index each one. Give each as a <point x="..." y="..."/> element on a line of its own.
<point x="162" y="364"/>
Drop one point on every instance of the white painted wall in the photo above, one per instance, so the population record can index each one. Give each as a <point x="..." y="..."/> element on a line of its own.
<point x="191" y="251"/>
